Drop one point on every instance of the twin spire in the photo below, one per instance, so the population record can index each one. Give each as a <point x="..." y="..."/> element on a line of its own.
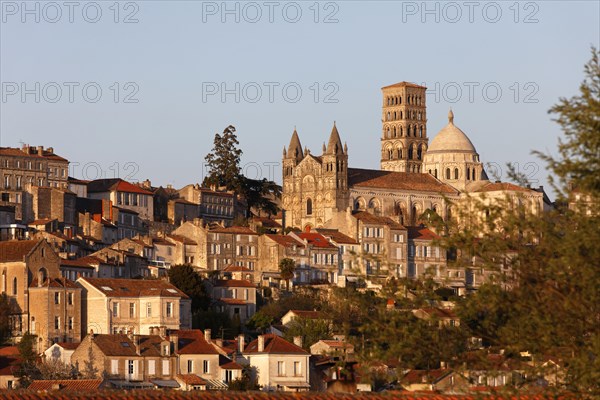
<point x="334" y="145"/>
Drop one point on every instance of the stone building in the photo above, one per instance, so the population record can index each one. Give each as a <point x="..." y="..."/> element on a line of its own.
<point x="27" y="167"/>
<point x="214" y="205"/>
<point x="123" y="195"/>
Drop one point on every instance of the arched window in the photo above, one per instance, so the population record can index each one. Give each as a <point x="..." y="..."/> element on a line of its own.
<point x="419" y="152"/>
<point x="421" y="131"/>
<point x="468" y="173"/>
<point x="390" y="154"/>
<point x="435" y="172"/>
<point x="400" y="114"/>
<point x="395" y="115"/>
<point x="410" y="153"/>
<point x="455" y="173"/>
<point x="414" y="216"/>
<point x="394" y="131"/>
<point x="400" y="154"/>
<point x="447" y="173"/>
<point x="14" y="291"/>
<point x="401" y="132"/>
<point x="308" y="207"/>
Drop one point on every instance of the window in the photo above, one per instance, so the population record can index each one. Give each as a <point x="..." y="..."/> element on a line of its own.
<point x="455" y="173"/>
<point x="56" y="298"/>
<point x="115" y="309"/>
<point x="114" y="367"/>
<point x="205" y="367"/>
<point x="70" y="298"/>
<point x="169" y="309"/>
<point x="447" y="173"/>
<point x="228" y="375"/>
<point x="56" y="323"/>
<point x="280" y="368"/>
<point x="151" y="367"/>
<point x="130" y="367"/>
<point x="131" y="310"/>
<point x="309" y="207"/>
<point x="297" y="368"/>
<point x="15" y="286"/>
<point x="190" y="366"/>
<point x="148" y="309"/>
<point x="166" y="368"/>
<point x="70" y="323"/>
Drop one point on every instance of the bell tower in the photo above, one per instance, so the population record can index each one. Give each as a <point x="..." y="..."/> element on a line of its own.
<point x="404" y="127"/>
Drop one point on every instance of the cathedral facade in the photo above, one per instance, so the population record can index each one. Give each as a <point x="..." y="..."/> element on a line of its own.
<point x="414" y="175"/>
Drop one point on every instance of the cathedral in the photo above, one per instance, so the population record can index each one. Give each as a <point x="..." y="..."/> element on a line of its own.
<point x="415" y="175"/>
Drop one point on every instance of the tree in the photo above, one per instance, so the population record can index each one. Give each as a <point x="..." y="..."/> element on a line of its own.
<point x="246" y="382"/>
<point x="260" y="194"/>
<point x="186" y="279"/>
<point x="224" y="161"/>
<point x="28" y="370"/>
<point x="287" y="266"/>
<point x="54" y="368"/>
<point x="5" y="311"/>
<point x="311" y="331"/>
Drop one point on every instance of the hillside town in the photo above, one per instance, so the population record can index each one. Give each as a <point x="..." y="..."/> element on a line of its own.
<point x="115" y="284"/>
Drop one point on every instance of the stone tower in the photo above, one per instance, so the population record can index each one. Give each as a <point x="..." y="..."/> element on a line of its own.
<point x="314" y="187"/>
<point x="404" y="127"/>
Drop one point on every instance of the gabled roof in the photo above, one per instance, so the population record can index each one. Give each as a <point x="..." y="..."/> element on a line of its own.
<point x="54" y="283"/>
<point x="413" y="182"/>
<point x="11" y="151"/>
<point x="191" y="379"/>
<point x="234" y="283"/>
<point x="421" y="233"/>
<point x="10" y="360"/>
<point x="337" y="236"/>
<point x="368" y="218"/>
<point x="404" y="84"/>
<point x="121" y="345"/>
<point x="415" y="376"/>
<point x="115" y="184"/>
<point x="285" y="240"/>
<point x="70" y="385"/>
<point x="181" y="239"/>
<point x="267" y="222"/>
<point x="16" y="250"/>
<point x="192" y="341"/>
<point x="134" y="287"/>
<point x="498" y="186"/>
<point x="274" y="345"/>
<point x="316" y="240"/>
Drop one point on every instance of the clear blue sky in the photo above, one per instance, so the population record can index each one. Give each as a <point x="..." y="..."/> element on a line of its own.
<point x="179" y="51"/>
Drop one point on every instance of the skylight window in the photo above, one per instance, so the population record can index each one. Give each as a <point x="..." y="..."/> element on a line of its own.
<point x="172" y="290"/>
<point x="106" y="288"/>
<point x="124" y="344"/>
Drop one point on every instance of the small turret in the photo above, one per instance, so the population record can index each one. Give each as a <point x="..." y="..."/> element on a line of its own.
<point x="335" y="143"/>
<point x="295" y="148"/>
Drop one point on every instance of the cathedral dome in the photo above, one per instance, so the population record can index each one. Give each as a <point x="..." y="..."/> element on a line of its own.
<point x="451" y="139"/>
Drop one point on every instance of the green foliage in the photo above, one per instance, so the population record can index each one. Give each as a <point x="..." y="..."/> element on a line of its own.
<point x="260" y="194"/>
<point x="246" y="382"/>
<point x="219" y="323"/>
<point x="224" y="161"/>
<point x="5" y="311"/>
<point x="186" y="279"/>
<point x="272" y="312"/>
<point x="28" y="370"/>
<point x="311" y="331"/>
<point x="287" y="266"/>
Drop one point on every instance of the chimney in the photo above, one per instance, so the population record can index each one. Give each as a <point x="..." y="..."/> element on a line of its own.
<point x="241" y="343"/>
<point x="136" y="343"/>
<point x="130" y="334"/>
<point x="40" y="150"/>
<point x="443" y="364"/>
<point x="261" y="343"/>
<point x="207" y="335"/>
<point x="219" y="342"/>
<point x="298" y="341"/>
<point x="163" y="331"/>
<point x="174" y="337"/>
<point x="51" y="150"/>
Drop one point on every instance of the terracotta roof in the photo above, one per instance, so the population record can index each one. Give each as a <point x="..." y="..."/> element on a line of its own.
<point x="162" y="242"/>
<point x="11" y="151"/>
<point x="238" y="230"/>
<point x="126" y="210"/>
<point x="236" y="268"/>
<point x="285" y="240"/>
<point x="412" y="182"/>
<point x="337" y="236"/>
<point x="9" y="360"/>
<point x="267" y="222"/>
<point x="78" y="384"/>
<point x="15" y="250"/>
<point x="234" y="283"/>
<point x="421" y="233"/>
<point x="191" y="379"/>
<point x="134" y="287"/>
<point x="68" y="345"/>
<point x="274" y="345"/>
<point x="88" y="261"/>
<point x="192" y="341"/>
<point x="54" y="282"/>
<point x="429" y="376"/>
<point x="121" y="345"/>
<point x="337" y="344"/>
<point x="181" y="239"/>
<point x="231" y="365"/>
<point x="368" y="218"/>
<point x="115" y="184"/>
<point x="42" y="221"/>
<point x="404" y="84"/>
<point x="497" y="186"/>
<point x="316" y="240"/>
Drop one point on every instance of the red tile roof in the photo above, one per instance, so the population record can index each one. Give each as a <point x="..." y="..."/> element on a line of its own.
<point x="134" y="287"/>
<point x="68" y="345"/>
<point x="429" y="376"/>
<point x="181" y="239"/>
<point x="368" y="218"/>
<point x="497" y="186"/>
<point x="421" y="233"/>
<point x="88" y="261"/>
<point x="192" y="341"/>
<point x="121" y="345"/>
<point x="337" y="236"/>
<point x="404" y="84"/>
<point x="79" y="385"/>
<point x="54" y="282"/>
<point x="191" y="379"/>
<point x="9" y="360"/>
<point x="397" y="181"/>
<point x="15" y="250"/>
<point x="316" y="240"/>
<point x="274" y="345"/>
<point x="231" y="365"/>
<point x="236" y="268"/>
<point x="267" y="222"/>
<point x="234" y="283"/>
<point x="11" y="151"/>
<point x="115" y="184"/>
<point x="285" y="240"/>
